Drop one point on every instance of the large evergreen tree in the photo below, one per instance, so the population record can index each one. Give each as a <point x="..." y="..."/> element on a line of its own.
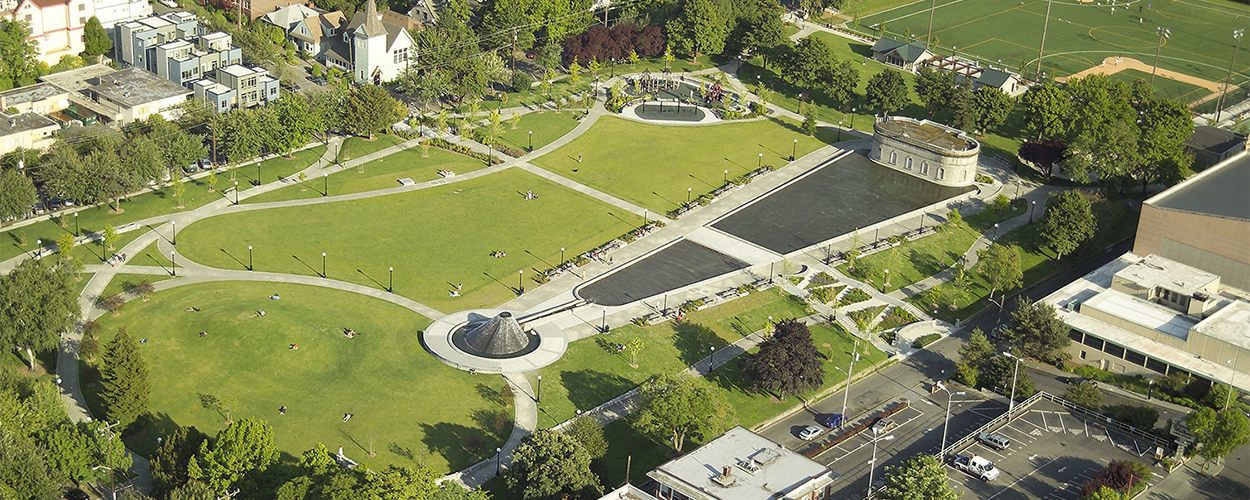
<point x="921" y="477"/>
<point x="169" y="465"/>
<point x="886" y="92"/>
<point x="242" y="447"/>
<point x="787" y="363"/>
<point x="124" y="380"/>
<point x="1036" y="331"/>
<point x="96" y="41"/>
<point x="370" y="110"/>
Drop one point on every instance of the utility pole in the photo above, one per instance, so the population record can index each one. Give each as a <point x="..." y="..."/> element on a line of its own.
<point x="605" y="14"/>
<point x="1237" y="34"/>
<point x="1163" y="33"/>
<point x="1041" y="48"/>
<point x="929" y="37"/>
<point x="108" y="436"/>
<point x="513" y="55"/>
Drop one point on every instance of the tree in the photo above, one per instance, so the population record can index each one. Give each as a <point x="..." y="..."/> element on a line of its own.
<point x="886" y="92"/>
<point x="17" y="194"/>
<point x="588" y="432"/>
<point x="1037" y="331"/>
<point x="1001" y="267"/>
<point x="675" y="407"/>
<point x="991" y="106"/>
<point x="1164" y="127"/>
<point x="1085" y="394"/>
<point x="108" y="237"/>
<point x="1103" y="493"/>
<point x="764" y="33"/>
<point x="37" y="303"/>
<point x="1218" y="433"/>
<point x="921" y="477"/>
<point x="808" y="63"/>
<point x="65" y="244"/>
<point x="1046" y="111"/>
<point x="972" y="356"/>
<point x="370" y="109"/>
<point x="698" y="29"/>
<point x="124" y="383"/>
<point x="635" y="346"/>
<point x="96" y="41"/>
<point x="169" y="465"/>
<point x="963" y="106"/>
<point x="193" y="490"/>
<point x="840" y="84"/>
<point x="552" y="465"/>
<point x="786" y="363"/>
<point x="19" y="55"/>
<point x="809" y="120"/>
<point x="242" y="447"/>
<point x="1068" y="222"/>
<point x="934" y="88"/>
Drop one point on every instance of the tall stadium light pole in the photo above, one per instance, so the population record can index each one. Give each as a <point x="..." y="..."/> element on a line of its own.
<point x="1041" y="48"/>
<point x="929" y="37"/>
<point x="949" y="398"/>
<point x="1163" y="33"/>
<point x="1011" y="405"/>
<point x="1237" y="34"/>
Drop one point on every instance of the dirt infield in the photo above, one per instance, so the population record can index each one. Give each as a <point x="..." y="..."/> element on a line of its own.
<point x="1113" y="65"/>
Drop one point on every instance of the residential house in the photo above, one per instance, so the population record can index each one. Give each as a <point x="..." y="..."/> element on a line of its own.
<point x="56" y="26"/>
<point x="184" y="61"/>
<point x="905" y="56"/>
<point x="381" y="48"/>
<point x="112" y="12"/>
<point x="1211" y="145"/>
<point x="252" y="8"/>
<point x="309" y="29"/>
<point x="238" y="86"/>
<point x="137" y="40"/>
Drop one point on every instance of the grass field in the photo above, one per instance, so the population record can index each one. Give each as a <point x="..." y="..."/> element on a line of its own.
<point x="546" y="125"/>
<point x="1165" y="88"/>
<point x="405" y="402"/>
<point x="433" y="238"/>
<point x="356" y="147"/>
<point x="1080" y="35"/>
<point x="274" y="168"/>
<point x="381" y="173"/>
<point x="123" y="283"/>
<point x="654" y="165"/>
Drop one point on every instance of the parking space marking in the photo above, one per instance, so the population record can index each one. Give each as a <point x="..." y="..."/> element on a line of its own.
<point x="1017" y="481"/>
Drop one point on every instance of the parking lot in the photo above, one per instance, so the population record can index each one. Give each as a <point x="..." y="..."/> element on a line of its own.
<point x="1051" y="454"/>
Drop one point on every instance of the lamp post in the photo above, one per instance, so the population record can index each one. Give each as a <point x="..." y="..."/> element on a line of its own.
<point x="250" y="266"/>
<point x="873" y="464"/>
<point x="995" y="230"/>
<point x="531" y="141"/>
<point x="946" y="425"/>
<point x="689" y="191"/>
<point x="561" y="255"/>
<point x="1237" y="34"/>
<point x="760" y="162"/>
<point x="325" y="184"/>
<point x="173" y="233"/>
<point x="794" y="150"/>
<point x="173" y="264"/>
<point x="76" y="231"/>
<point x="852" y="118"/>
<point x="1011" y="405"/>
<point x="770" y="273"/>
<point x="1032" y="205"/>
<point x="1164" y="34"/>
<point x="520" y="288"/>
<point x="323" y="264"/>
<point x="725" y="180"/>
<point x="236" y="192"/>
<point x="850" y="369"/>
<point x="257" y="181"/>
<point x="839" y="130"/>
<point x="538" y="393"/>
<point x="391" y="284"/>
<point x="886" y="284"/>
<point x="498" y="456"/>
<point x="711" y="358"/>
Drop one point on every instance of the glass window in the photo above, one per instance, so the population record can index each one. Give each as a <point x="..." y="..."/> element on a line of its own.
<point x="908" y="163"/>
<point x="893" y="158"/>
<point x="1157" y="365"/>
<point x="1135" y="358"/>
<point x="82" y="7"/>
<point x="1075" y="335"/>
<point x="1093" y="341"/>
<point x="1114" y="350"/>
<point x="941" y="173"/>
<point x="1082" y="354"/>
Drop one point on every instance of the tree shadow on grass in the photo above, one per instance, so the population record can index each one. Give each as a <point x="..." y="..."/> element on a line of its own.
<point x="460" y="445"/>
<point x="496" y="423"/>
<point x="692" y="341"/>
<point x="589" y="388"/>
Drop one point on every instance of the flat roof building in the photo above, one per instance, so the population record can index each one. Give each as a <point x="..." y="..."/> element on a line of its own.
<point x="742" y="465"/>
<point x="929" y="150"/>
<point x="133" y="94"/>
<point x="26" y="130"/>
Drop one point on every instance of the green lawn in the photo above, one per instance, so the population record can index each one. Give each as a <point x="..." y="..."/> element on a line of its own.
<point x="124" y="282"/>
<point x="654" y="165"/>
<point x="1165" y="88"/>
<point x="1080" y="34"/>
<point x="592" y="371"/>
<point x="400" y="395"/>
<point x="274" y="169"/>
<point x="381" y="173"/>
<point x="547" y="126"/>
<point x="356" y="147"/>
<point x="920" y="258"/>
<point x="433" y="238"/>
<point x="152" y="256"/>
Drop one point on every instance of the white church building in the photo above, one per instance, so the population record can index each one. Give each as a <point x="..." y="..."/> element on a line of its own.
<point x="379" y="50"/>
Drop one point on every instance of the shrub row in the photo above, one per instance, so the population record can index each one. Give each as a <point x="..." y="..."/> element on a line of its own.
<point x="925" y="340"/>
<point x="464" y="150"/>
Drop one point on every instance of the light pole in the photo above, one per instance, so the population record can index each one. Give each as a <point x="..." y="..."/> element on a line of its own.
<point x="173" y="232"/>
<point x="794" y="150"/>
<point x="711" y="358"/>
<point x="928" y="38"/>
<point x="850" y="369"/>
<point x="257" y="182"/>
<point x="1042" y="47"/>
<point x="947" y="424"/>
<point x="839" y="130"/>
<point x="520" y="288"/>
<point x="886" y="284"/>
<point x="38" y="248"/>
<point x="391" y="283"/>
<point x="1011" y="405"/>
<point x="173" y="264"/>
<point x="852" y="117"/>
<point x="250" y="266"/>
<point x="76" y="231"/>
<point x="770" y="273"/>
<point x="562" y="255"/>
<point x="689" y="191"/>
<point x="1229" y="398"/>
<point x="538" y="393"/>
<point x="1163" y="33"/>
<point x="323" y="264"/>
<point x="325" y="184"/>
<point x="995" y="230"/>
<point x="873" y="464"/>
<point x="1237" y="34"/>
<point x="236" y="192"/>
<point x="498" y="456"/>
<point x="760" y="162"/>
<point x="1032" y="205"/>
<point x="531" y="141"/>
<point x="725" y="180"/>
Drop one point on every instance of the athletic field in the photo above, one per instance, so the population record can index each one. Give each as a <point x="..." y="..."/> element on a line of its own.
<point x="1080" y="35"/>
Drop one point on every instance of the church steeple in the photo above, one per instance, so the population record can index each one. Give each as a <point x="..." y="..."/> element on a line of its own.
<point x="373" y="22"/>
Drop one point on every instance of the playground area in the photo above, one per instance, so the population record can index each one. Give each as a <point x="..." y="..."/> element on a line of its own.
<point x="1080" y="35"/>
<point x="667" y="86"/>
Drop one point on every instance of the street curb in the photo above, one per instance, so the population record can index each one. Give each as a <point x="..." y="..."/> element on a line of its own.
<point x="829" y="391"/>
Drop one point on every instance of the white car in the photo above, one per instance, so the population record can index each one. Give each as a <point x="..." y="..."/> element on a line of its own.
<point x="170" y="3"/>
<point x="810" y="432"/>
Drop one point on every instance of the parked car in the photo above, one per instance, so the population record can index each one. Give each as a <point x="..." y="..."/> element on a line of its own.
<point x="170" y="3"/>
<point x="835" y="420"/>
<point x="206" y="163"/>
<point x="883" y="425"/>
<point x="977" y="467"/>
<point x="810" y="432"/>
<point x="192" y="167"/>
<point x="1078" y="380"/>
<point x="996" y="441"/>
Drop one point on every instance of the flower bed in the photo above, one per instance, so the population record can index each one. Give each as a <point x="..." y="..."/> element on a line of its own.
<point x="895" y="318"/>
<point x="853" y="296"/>
<point x="464" y="150"/>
